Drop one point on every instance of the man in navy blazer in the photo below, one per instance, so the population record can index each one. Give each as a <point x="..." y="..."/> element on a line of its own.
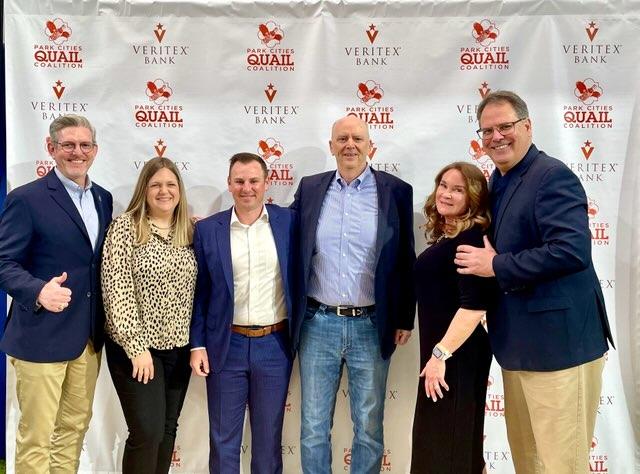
<point x="357" y="300"/>
<point x="242" y="311"/>
<point x="51" y="234"/>
<point x="549" y="329"/>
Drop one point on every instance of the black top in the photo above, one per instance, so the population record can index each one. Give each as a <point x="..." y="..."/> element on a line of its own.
<point x="441" y="290"/>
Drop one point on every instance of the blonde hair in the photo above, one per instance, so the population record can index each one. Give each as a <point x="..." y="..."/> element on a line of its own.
<point x="477" y="204"/>
<point x="183" y="228"/>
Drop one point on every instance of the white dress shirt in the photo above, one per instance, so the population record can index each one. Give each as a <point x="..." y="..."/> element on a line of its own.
<point x="258" y="294"/>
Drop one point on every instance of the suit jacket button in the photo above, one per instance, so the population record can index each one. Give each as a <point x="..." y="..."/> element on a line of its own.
<point x="88" y="294"/>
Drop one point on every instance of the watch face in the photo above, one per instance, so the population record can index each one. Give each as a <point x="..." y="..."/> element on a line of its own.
<point x="437" y="353"/>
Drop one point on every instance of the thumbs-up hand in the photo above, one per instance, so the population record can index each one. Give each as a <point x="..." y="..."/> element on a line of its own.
<point x="54" y="297"/>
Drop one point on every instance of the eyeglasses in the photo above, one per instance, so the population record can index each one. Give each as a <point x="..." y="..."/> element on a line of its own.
<point x="85" y="147"/>
<point x="504" y="129"/>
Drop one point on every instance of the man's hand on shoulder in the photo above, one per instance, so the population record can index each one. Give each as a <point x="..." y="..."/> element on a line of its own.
<point x="475" y="260"/>
<point x="54" y="297"/>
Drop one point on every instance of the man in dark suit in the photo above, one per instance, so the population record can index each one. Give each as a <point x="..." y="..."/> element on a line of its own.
<point x="357" y="300"/>
<point x="242" y="310"/>
<point x="51" y="233"/>
<point x="549" y="329"/>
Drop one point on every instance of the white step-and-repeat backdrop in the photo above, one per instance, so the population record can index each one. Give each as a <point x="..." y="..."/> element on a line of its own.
<point x="197" y="81"/>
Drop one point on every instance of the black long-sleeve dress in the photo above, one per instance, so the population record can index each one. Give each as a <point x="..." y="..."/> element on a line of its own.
<point x="448" y="434"/>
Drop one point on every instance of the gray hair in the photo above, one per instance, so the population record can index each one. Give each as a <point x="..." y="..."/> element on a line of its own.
<point x="70" y="120"/>
<point x="509" y="97"/>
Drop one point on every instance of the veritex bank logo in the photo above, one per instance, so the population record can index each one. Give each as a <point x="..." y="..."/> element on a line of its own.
<point x="160" y="147"/>
<point x="588" y="166"/>
<point x="588" y="50"/>
<point x="56" y="102"/>
<point x="271" y="111"/>
<point x="373" y="51"/>
<point x="159" y="50"/>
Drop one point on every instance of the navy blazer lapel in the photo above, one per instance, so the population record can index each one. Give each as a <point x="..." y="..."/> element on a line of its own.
<point x="512" y="187"/>
<point x="281" y="239"/>
<point x="223" y="239"/>
<point x="61" y="196"/>
<point x="310" y="219"/>
<point x="384" y="202"/>
<point x="102" y="218"/>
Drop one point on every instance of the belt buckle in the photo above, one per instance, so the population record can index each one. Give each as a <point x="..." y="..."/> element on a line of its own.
<point x="351" y="311"/>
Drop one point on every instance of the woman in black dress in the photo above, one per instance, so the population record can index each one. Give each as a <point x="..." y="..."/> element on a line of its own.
<point x="447" y="435"/>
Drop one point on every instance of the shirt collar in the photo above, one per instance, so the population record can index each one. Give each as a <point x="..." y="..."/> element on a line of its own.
<point x="264" y="217"/>
<point x="357" y="183"/>
<point x="72" y="186"/>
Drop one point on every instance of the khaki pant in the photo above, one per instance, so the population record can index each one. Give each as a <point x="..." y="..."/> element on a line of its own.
<point x="550" y="417"/>
<point x="55" y="400"/>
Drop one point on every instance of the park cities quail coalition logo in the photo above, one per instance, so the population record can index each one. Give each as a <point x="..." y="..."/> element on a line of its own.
<point x="59" y="52"/>
<point x="271" y="112"/>
<point x="590" y="51"/>
<point x="386" y="465"/>
<point x="270" y="57"/>
<point x="484" y="54"/>
<point x="588" y="168"/>
<point x="599" y="228"/>
<point x="372" y="54"/>
<point x="494" y="404"/>
<point x="371" y="94"/>
<point x="160" y="147"/>
<point x="279" y="172"/>
<point x="176" y="460"/>
<point x="590" y="112"/>
<point x="57" y="103"/>
<point x="157" y="52"/>
<point x="158" y="110"/>
<point x="597" y="460"/>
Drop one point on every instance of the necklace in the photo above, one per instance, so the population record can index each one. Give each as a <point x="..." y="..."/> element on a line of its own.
<point x="442" y="237"/>
<point x="158" y="227"/>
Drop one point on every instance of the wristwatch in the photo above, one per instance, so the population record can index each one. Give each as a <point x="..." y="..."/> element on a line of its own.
<point x="440" y="352"/>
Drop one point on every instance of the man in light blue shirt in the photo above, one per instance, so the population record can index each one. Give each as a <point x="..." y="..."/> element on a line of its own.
<point x="356" y="300"/>
<point x="51" y="233"/>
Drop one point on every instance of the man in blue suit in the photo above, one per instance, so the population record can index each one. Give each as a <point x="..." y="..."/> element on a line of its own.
<point x="549" y="329"/>
<point x="51" y="234"/>
<point x="242" y="311"/>
<point x="357" y="300"/>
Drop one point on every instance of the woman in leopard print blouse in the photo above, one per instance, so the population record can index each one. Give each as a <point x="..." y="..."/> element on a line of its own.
<point x="148" y="280"/>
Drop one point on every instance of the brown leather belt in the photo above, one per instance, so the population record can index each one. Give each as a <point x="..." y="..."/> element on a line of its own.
<point x="261" y="331"/>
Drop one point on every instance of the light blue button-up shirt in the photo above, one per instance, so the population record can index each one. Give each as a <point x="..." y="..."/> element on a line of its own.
<point x="343" y="263"/>
<point x="83" y="200"/>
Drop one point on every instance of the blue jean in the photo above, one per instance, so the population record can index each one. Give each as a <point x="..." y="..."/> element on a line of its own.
<point x="327" y="343"/>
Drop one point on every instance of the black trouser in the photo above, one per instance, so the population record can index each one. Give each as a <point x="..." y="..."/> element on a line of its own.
<point x="151" y="410"/>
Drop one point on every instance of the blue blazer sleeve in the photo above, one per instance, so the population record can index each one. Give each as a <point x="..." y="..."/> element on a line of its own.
<point x="16" y="239"/>
<point x="560" y="235"/>
<point x="197" y="336"/>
